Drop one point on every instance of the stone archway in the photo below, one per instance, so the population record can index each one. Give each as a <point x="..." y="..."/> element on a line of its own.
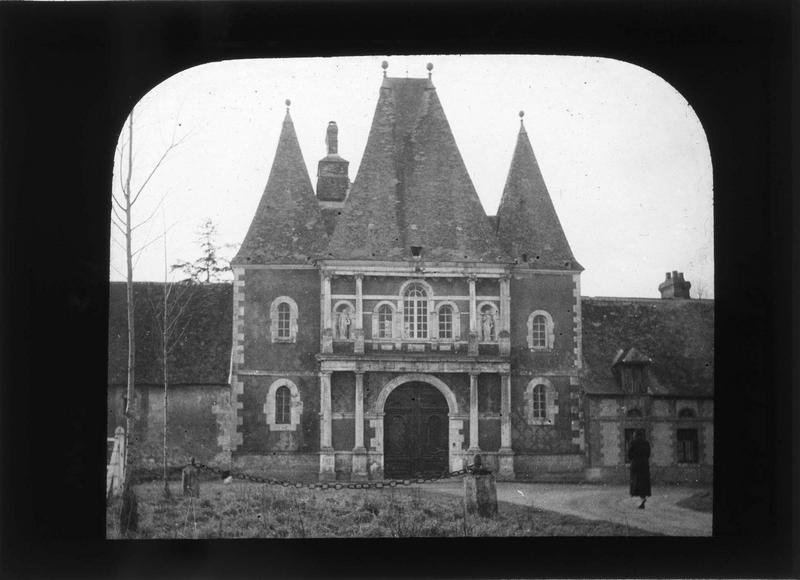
<point x="455" y="421"/>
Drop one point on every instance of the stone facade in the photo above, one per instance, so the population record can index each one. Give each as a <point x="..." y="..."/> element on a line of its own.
<point x="345" y="298"/>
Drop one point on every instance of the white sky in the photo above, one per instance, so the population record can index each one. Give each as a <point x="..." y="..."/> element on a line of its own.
<point x="623" y="154"/>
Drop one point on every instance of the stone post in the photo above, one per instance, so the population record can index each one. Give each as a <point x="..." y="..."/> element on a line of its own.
<point x="327" y="469"/>
<point x="480" y="492"/>
<point x="506" y="456"/>
<point x="359" y="451"/>
<point x="473" y="414"/>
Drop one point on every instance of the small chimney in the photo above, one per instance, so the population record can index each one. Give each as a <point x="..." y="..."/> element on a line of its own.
<point x="333" y="180"/>
<point x="674" y="286"/>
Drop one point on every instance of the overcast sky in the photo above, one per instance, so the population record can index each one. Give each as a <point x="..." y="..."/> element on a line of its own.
<point x="623" y="154"/>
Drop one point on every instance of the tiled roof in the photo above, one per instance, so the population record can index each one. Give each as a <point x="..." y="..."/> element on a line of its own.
<point x="201" y="355"/>
<point x="677" y="336"/>
<point x="527" y="224"/>
<point x="412" y="188"/>
<point x="287" y="227"/>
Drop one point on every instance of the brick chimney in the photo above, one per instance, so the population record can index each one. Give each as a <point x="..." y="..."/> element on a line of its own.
<point x="332" y="179"/>
<point x="674" y="286"/>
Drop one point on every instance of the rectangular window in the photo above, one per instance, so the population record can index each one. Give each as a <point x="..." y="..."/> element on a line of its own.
<point x="445" y="322"/>
<point x="385" y="322"/>
<point x="687" y="446"/>
<point x="539" y="402"/>
<point x="284" y="320"/>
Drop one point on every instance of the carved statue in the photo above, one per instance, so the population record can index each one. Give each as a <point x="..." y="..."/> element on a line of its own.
<point x="487" y="323"/>
<point x="344" y="323"/>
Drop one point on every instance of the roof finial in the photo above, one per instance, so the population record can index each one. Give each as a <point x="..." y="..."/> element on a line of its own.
<point x="521" y="124"/>
<point x="429" y="66"/>
<point x="384" y="66"/>
<point x="288" y="104"/>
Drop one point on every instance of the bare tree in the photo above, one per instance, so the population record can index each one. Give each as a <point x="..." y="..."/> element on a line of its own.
<point x="699" y="288"/>
<point x="122" y="207"/>
<point x="174" y="317"/>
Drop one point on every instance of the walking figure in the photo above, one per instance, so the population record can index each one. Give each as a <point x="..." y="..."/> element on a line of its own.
<point x="639" y="455"/>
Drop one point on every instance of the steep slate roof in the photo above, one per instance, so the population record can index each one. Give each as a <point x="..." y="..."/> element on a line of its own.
<point x="412" y="187"/>
<point x="287" y="227"/>
<point x="202" y="354"/>
<point x="676" y="335"/>
<point x="526" y="219"/>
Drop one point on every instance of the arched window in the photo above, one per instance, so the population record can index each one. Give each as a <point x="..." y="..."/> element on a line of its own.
<point x="385" y="321"/>
<point x="283" y="405"/>
<point x="539" y="331"/>
<point x="415" y="312"/>
<point x="446" y="321"/>
<point x="283" y="320"/>
<point x="539" y="402"/>
<point x="541" y="406"/>
<point x="686" y="413"/>
<point x="541" y="335"/>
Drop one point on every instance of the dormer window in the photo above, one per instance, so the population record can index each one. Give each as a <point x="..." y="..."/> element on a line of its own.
<point x="416" y="251"/>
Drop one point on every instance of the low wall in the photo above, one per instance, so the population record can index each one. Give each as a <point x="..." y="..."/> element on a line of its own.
<point x="193" y="426"/>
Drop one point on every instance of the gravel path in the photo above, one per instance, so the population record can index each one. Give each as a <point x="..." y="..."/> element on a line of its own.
<point x="605" y="502"/>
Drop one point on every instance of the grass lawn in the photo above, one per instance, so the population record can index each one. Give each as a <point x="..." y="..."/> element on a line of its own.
<point x="248" y="510"/>
<point x="702" y="501"/>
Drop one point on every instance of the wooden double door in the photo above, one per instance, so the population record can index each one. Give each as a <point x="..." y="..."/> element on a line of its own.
<point x="415" y="432"/>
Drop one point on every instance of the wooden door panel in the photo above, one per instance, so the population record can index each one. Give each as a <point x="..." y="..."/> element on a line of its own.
<point x="415" y="432"/>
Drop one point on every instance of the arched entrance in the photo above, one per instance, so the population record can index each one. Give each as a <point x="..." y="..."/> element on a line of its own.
<point x="415" y="434"/>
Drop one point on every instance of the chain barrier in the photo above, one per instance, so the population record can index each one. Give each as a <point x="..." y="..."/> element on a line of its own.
<point x="337" y="486"/>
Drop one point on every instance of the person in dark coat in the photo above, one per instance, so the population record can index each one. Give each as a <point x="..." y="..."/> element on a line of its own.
<point x="639" y="455"/>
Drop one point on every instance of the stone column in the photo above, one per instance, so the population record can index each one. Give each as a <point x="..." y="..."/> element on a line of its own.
<point x="327" y="331"/>
<point x="506" y="456"/>
<point x="472" y="344"/>
<point x="326" y="457"/>
<point x="358" y="332"/>
<point x="504" y="335"/>
<point x="359" y="451"/>
<point x="473" y="414"/>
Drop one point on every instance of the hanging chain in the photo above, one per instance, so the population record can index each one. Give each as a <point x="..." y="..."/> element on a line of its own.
<point x="390" y="483"/>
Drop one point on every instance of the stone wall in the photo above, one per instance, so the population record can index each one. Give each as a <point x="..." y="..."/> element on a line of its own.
<point x="193" y="426"/>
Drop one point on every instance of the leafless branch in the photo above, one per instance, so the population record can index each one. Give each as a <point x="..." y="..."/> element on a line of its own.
<point x="156" y="166"/>
<point x="141" y="223"/>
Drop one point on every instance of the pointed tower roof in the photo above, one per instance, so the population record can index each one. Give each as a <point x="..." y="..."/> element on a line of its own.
<point x="412" y="188"/>
<point x="527" y="224"/>
<point x="287" y="227"/>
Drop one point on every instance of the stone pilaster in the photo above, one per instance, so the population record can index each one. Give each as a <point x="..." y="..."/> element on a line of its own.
<point x="358" y="333"/>
<point x="326" y="457"/>
<point x="359" y="451"/>
<point x="327" y="331"/>
<point x="506" y="456"/>
<point x="474" y="447"/>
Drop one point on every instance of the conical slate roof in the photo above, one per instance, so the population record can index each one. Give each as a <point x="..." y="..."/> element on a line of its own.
<point x="412" y="188"/>
<point x="287" y="227"/>
<point x="527" y="224"/>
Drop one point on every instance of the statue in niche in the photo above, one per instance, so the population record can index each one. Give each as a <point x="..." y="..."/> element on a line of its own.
<point x="487" y="325"/>
<point x="344" y="323"/>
